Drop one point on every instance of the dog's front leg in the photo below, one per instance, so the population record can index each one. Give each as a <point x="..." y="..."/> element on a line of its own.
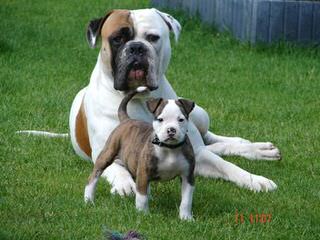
<point x="186" y="199"/>
<point x="211" y="165"/>
<point x="120" y="179"/>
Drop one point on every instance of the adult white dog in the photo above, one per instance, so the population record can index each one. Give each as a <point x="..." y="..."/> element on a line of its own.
<point x="135" y="50"/>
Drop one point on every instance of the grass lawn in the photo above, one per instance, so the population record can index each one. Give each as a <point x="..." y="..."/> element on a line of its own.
<point x="259" y="93"/>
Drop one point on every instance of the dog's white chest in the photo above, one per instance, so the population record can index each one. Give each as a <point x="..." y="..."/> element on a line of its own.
<point x="171" y="163"/>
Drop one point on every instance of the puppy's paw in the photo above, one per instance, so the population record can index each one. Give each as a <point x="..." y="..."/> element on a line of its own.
<point x="142" y="203"/>
<point x="144" y="210"/>
<point x="186" y="216"/>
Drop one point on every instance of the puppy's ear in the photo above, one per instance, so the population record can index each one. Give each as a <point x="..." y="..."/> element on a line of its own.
<point x="94" y="29"/>
<point x="153" y="104"/>
<point x="185" y="105"/>
<point x="172" y="23"/>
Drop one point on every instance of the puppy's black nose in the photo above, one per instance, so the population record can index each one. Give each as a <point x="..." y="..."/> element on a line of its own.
<point x="137" y="48"/>
<point x="171" y="131"/>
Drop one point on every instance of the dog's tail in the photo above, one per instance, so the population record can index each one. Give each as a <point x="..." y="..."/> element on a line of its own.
<point x="43" y="133"/>
<point x="122" y="110"/>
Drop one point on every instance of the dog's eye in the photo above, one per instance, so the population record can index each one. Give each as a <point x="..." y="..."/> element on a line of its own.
<point x="117" y="39"/>
<point x="160" y="119"/>
<point x="181" y="120"/>
<point x="152" y="37"/>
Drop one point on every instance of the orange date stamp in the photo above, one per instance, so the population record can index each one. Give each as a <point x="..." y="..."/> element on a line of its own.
<point x="252" y="218"/>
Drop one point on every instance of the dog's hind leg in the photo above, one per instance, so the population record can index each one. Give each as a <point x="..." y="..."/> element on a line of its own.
<point x="209" y="164"/>
<point x="200" y="119"/>
<point x="235" y="146"/>
<point x="229" y="146"/>
<point x="211" y="138"/>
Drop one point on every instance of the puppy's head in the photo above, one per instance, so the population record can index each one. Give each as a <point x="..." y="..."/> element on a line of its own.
<point x="171" y="119"/>
<point x="135" y="45"/>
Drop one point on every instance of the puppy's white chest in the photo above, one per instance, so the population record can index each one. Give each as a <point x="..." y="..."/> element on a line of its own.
<point x="171" y="163"/>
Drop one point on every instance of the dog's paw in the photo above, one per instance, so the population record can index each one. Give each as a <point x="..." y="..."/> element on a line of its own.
<point x="123" y="186"/>
<point x="257" y="183"/>
<point x="262" y="151"/>
<point x="120" y="180"/>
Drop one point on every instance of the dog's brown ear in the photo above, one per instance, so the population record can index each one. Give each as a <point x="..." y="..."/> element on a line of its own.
<point x="185" y="105"/>
<point x="153" y="104"/>
<point x="94" y="29"/>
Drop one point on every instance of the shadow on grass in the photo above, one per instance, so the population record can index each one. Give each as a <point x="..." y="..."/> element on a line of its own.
<point x="166" y="199"/>
<point x="5" y="47"/>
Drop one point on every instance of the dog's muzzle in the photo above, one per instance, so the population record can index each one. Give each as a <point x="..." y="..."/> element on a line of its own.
<point x="136" y="67"/>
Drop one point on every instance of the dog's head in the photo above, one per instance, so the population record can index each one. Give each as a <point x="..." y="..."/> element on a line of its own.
<point x="171" y="119"/>
<point x="135" y="45"/>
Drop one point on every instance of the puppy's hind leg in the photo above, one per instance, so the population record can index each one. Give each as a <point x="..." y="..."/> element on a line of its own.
<point x="142" y="190"/>
<point x="104" y="160"/>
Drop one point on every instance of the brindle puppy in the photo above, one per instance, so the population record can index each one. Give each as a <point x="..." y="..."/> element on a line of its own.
<point x="160" y="151"/>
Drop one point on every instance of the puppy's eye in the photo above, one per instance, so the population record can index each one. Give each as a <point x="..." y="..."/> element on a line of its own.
<point x="181" y="120"/>
<point x="152" y="38"/>
<point x="160" y="119"/>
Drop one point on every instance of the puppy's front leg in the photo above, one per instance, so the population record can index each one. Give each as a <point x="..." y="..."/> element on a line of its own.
<point x="186" y="199"/>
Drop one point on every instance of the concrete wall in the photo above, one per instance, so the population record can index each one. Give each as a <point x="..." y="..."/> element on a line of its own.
<point x="256" y="20"/>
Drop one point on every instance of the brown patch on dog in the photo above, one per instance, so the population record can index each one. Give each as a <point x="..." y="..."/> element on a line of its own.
<point x="82" y="131"/>
<point x="115" y="21"/>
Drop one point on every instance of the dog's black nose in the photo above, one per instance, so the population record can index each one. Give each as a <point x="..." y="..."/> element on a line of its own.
<point x="171" y="131"/>
<point x="137" y="48"/>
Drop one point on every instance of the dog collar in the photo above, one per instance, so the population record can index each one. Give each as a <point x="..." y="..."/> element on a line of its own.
<point x="156" y="141"/>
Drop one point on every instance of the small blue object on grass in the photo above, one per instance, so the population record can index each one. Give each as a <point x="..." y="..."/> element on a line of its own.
<point x="131" y="235"/>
